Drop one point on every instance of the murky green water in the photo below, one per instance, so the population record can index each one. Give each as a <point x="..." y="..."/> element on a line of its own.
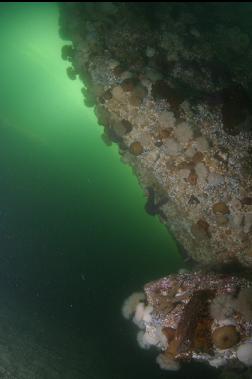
<point x="75" y="239"/>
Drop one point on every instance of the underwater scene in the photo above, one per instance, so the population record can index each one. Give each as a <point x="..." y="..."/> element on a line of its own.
<point x="126" y="190"/>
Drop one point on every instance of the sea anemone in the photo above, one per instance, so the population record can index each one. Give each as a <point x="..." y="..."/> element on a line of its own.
<point x="217" y="362"/>
<point x="141" y="340"/>
<point x="142" y="314"/>
<point x="167" y="363"/>
<point x="152" y="337"/>
<point x="222" y="307"/>
<point x="130" y="304"/>
<point x="244" y="303"/>
<point x="225" y="337"/>
<point x="244" y="353"/>
<point x="139" y="315"/>
<point x="156" y="337"/>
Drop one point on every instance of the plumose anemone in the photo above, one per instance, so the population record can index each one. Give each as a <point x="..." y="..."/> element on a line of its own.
<point x="130" y="304"/>
<point x="222" y="307"/>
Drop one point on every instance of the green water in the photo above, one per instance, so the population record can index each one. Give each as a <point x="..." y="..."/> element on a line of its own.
<point x="75" y="239"/>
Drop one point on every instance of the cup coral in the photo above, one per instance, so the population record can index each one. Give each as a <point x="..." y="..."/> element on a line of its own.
<point x="136" y="148"/>
<point x="225" y="337"/>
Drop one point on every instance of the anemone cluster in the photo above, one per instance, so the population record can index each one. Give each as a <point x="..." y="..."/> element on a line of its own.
<point x="176" y="98"/>
<point x="195" y="316"/>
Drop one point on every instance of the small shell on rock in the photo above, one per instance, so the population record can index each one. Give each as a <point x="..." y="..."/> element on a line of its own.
<point x="136" y="148"/>
<point x="200" y="230"/>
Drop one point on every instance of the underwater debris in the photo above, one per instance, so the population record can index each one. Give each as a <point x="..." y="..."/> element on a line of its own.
<point x="181" y="317"/>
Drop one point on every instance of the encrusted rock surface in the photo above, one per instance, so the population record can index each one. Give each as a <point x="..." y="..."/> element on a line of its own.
<point x="177" y="101"/>
<point x="196" y="316"/>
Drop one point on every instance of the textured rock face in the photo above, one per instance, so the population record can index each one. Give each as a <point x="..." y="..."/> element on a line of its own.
<point x="180" y="111"/>
<point x="197" y="316"/>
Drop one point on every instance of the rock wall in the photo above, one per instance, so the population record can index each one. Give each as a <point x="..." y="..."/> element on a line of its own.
<point x="171" y="85"/>
<point x="195" y="316"/>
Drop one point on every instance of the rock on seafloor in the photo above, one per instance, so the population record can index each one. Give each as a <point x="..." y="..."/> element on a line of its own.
<point x="195" y="316"/>
<point x="177" y="101"/>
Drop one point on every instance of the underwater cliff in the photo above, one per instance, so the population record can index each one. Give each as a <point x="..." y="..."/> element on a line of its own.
<point x="171" y="84"/>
